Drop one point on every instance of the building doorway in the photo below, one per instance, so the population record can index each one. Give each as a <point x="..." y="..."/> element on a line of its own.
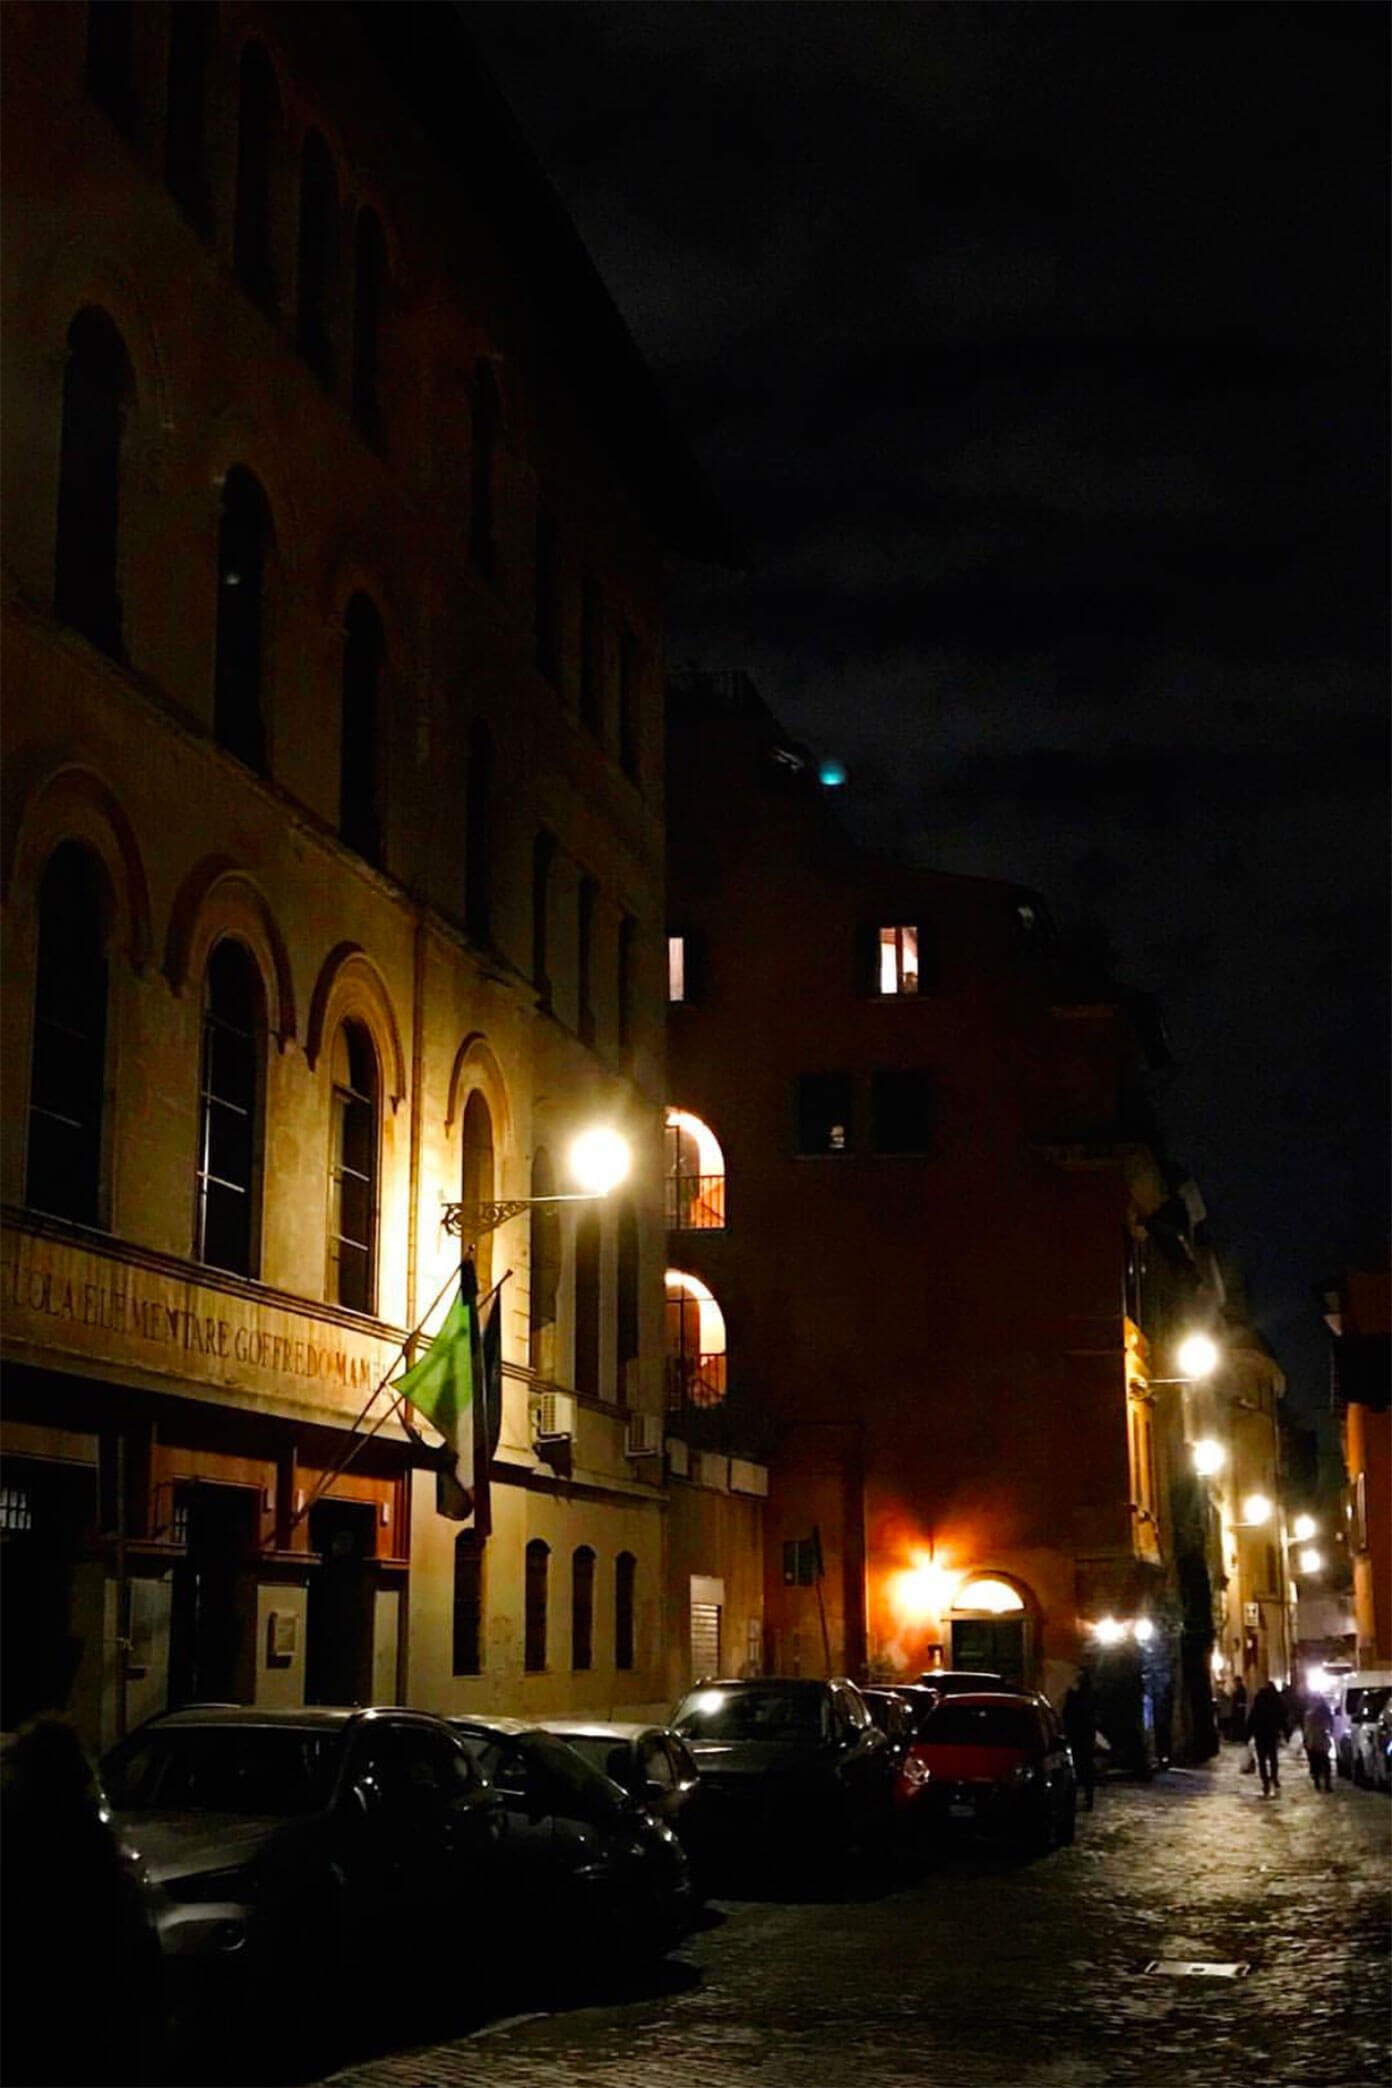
<point x="338" y="1650"/>
<point x="994" y="1644"/>
<point x="45" y="1512"/>
<point x="211" y="1626"/>
<point x="707" y="1602"/>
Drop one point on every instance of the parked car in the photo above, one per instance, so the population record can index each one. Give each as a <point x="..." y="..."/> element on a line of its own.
<point x="788" y="1766"/>
<point x="651" y="1762"/>
<point x="1348" y="1710"/>
<point x="1363" y="1731"/>
<point x="1382" y="1749"/>
<point x="290" y="1852"/>
<point x="576" y="1844"/>
<point x="997" y="1760"/>
<point x="956" y="1681"/>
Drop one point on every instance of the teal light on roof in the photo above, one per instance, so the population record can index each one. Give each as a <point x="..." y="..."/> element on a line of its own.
<point x="831" y="774"/>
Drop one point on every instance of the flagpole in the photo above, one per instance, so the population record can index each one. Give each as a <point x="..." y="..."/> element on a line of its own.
<point x="327" y="1480"/>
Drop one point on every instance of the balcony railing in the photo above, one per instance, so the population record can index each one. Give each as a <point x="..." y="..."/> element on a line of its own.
<point x="694" y="1381"/>
<point x="695" y="1203"/>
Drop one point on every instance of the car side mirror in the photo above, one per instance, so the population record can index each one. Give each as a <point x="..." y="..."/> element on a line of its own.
<point x="652" y="1789"/>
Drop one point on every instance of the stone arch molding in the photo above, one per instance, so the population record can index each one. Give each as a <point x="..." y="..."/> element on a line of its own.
<point x="84" y="273"/>
<point x="217" y="899"/>
<point x="72" y="803"/>
<point x="476" y="1068"/>
<point x="350" y="987"/>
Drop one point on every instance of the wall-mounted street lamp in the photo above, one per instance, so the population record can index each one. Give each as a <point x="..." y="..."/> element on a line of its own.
<point x="1209" y="1456"/>
<point x="1257" y="1510"/>
<point x="1310" y="1560"/>
<point x="599" y="1159"/>
<point x="1304" y="1528"/>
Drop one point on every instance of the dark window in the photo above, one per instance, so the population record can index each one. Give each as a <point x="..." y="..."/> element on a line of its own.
<point x="587" y="1260"/>
<point x="626" y="1294"/>
<point x="245" y="542"/>
<point x="545" y="1266"/>
<point x="483" y="548"/>
<point x="362" y="753"/>
<point x="592" y="656"/>
<point x="353" y="1171"/>
<point x="478" y="844"/>
<point x="582" y="1608"/>
<point x="468" y="1603"/>
<point x="318" y="245"/>
<point x="185" y="114"/>
<point x="229" y="1111"/>
<point x="543" y="857"/>
<point x="258" y="120"/>
<point x="97" y="391"/>
<point x="369" y="311"/>
<point x="110" y="27"/>
<point x="476" y="1177"/>
<point x="584" y="968"/>
<point x="534" y="1630"/>
<point x="68" y="1071"/>
<point x="628" y="952"/>
<point x="824" y="1113"/>
<point x="625" y="1574"/>
<point x="630" y="702"/>
<point x="902" y="1107"/>
<point x="548" y="598"/>
<point x="800" y="1562"/>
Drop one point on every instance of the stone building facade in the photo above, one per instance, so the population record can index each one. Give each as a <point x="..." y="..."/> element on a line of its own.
<point x="339" y="511"/>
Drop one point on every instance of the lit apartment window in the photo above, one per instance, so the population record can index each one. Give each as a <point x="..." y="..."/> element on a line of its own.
<point x="695" y="1175"/>
<point x="898" y="968"/>
<point x="676" y="967"/>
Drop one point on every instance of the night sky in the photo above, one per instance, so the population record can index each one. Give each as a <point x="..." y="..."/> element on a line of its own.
<point x="1038" y="358"/>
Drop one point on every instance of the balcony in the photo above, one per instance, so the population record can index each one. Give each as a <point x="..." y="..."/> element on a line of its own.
<point x="695" y="1203"/>
<point x="695" y="1381"/>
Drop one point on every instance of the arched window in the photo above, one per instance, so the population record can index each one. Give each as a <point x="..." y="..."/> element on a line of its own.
<point x="582" y="1608"/>
<point x="362" y="754"/>
<point x="543" y="860"/>
<point x="483" y="547"/>
<point x="186" y="114"/>
<point x="353" y="1162"/>
<point x="545" y="1267"/>
<point x="695" y="1344"/>
<point x="695" y="1175"/>
<point x="625" y="1575"/>
<point x="468" y="1603"/>
<point x="477" y="1180"/>
<point x="318" y="245"/>
<point x="587" y="1258"/>
<point x="97" y="391"/>
<point x="258" y="120"/>
<point x="626" y="1297"/>
<point x="67" y="1084"/>
<point x="230" y="1102"/>
<point x="110" y="27"/>
<point x="245" y="543"/>
<point x="478" y="843"/>
<point x="369" y="311"/>
<point x="534" y="1598"/>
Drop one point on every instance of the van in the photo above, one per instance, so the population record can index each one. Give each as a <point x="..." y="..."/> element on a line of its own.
<point x="1360" y="1695"/>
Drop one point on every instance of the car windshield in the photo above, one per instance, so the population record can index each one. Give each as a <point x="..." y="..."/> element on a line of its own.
<point x="754" y="1714"/>
<point x="547" y="1771"/>
<point x="609" y="1757"/>
<point x="959" y="1724"/>
<point x="270" y="1771"/>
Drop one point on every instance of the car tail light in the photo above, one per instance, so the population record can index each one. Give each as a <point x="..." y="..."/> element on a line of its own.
<point x="915" y="1771"/>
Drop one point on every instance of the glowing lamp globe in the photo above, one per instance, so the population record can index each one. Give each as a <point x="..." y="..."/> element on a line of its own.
<point x="1209" y="1457"/>
<point x="599" y="1160"/>
<point x="1310" y="1560"/>
<point x="1303" y="1529"/>
<point x="1256" y="1509"/>
<point x="1197" y="1356"/>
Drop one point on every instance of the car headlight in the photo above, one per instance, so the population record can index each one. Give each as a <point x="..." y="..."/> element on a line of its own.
<point x="201" y="1887"/>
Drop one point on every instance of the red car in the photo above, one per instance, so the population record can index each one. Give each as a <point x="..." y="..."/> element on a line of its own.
<point x="997" y="1760"/>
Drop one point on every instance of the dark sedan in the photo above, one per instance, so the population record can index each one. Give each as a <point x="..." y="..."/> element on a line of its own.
<point x="287" y="1850"/>
<point x="790" y="1767"/>
<point x="651" y="1762"/>
<point x="612" y="1879"/>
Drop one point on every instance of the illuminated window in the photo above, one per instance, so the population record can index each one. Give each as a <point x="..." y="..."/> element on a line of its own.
<point x="676" y="967"/>
<point x="695" y="1344"/>
<point x="234" y="1021"/>
<point x="695" y="1175"/>
<point x="995" y="1598"/>
<point x="824" y="1113"/>
<point x="476" y="1184"/>
<point x="898" y="960"/>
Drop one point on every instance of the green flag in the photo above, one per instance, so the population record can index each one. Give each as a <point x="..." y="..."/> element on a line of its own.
<point x="441" y="1385"/>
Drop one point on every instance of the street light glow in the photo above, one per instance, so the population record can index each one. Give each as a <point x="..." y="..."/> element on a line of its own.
<point x="1304" y="1528"/>
<point x="1209" y="1457"/>
<point x="1108" y="1632"/>
<point x="1143" y="1631"/>
<point x="1256" y="1509"/>
<point x="599" y="1160"/>
<point x="1197" y="1356"/>
<point x="1310" y="1560"/>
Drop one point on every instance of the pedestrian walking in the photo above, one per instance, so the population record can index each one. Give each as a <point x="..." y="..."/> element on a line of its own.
<point x="1080" y="1730"/>
<point x="1266" y="1725"/>
<point x="1237" y="1729"/>
<point x="1318" y="1734"/>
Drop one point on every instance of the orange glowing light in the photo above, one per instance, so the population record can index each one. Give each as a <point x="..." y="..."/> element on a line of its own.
<point x="922" y="1590"/>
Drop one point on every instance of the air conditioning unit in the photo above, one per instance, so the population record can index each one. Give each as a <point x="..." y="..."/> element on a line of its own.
<point x="644" y="1437"/>
<point x="553" y="1414"/>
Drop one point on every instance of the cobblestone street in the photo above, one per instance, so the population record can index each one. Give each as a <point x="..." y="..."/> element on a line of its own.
<point x="987" y="1973"/>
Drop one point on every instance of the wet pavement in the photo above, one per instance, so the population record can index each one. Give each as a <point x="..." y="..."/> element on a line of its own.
<point x="988" y="1972"/>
